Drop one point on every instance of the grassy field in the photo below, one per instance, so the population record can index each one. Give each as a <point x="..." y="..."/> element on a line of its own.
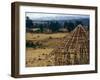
<point x="36" y="57"/>
<point x="41" y="36"/>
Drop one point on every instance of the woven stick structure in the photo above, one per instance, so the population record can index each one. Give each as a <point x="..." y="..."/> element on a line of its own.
<point x="72" y="51"/>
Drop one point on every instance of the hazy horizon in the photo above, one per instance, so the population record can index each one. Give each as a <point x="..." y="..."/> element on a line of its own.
<point x="55" y="16"/>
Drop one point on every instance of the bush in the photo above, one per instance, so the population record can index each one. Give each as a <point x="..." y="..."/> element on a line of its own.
<point x="30" y="44"/>
<point x="50" y="37"/>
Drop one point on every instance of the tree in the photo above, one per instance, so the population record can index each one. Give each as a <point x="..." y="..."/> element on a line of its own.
<point x="54" y="26"/>
<point x="69" y="25"/>
<point x="41" y="27"/>
<point x="29" y="23"/>
<point x="65" y="24"/>
<point x="78" y="22"/>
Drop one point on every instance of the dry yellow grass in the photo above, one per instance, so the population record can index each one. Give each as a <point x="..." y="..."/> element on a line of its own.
<point x="32" y="56"/>
<point x="36" y="52"/>
<point x="37" y="57"/>
<point x="38" y="36"/>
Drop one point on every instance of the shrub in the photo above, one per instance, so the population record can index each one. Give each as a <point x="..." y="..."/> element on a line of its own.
<point x="50" y="37"/>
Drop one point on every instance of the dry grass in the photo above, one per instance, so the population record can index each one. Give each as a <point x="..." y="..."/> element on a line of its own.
<point x="38" y="36"/>
<point x="36" y="52"/>
<point x="36" y="57"/>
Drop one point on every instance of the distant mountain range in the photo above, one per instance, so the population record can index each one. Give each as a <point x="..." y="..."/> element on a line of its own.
<point x="58" y="18"/>
<point x="55" y="16"/>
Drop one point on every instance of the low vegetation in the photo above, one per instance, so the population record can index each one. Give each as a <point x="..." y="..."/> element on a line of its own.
<point x="39" y="46"/>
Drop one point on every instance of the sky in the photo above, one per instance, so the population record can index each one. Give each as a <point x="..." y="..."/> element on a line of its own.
<point x="53" y="16"/>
